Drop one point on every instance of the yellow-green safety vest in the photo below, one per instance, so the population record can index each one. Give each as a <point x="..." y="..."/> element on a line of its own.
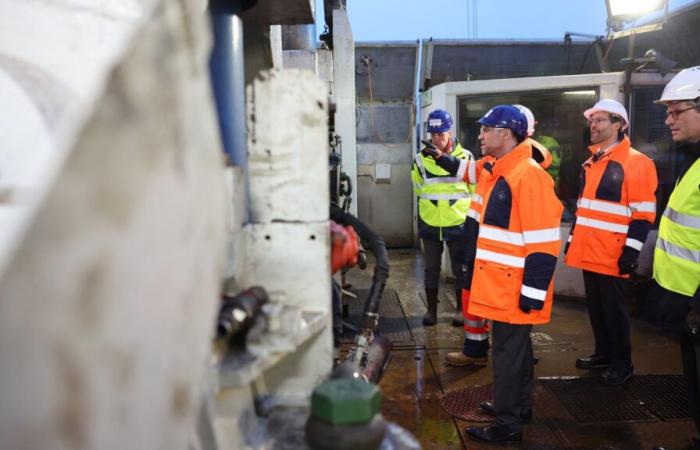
<point x="677" y="253"/>
<point x="443" y="199"/>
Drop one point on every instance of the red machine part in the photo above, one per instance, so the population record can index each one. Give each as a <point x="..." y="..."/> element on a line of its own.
<point x="345" y="246"/>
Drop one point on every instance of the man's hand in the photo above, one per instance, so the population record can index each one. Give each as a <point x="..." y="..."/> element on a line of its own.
<point x="430" y="149"/>
<point x="628" y="260"/>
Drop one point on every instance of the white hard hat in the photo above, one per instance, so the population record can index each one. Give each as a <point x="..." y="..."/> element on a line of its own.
<point x="610" y="106"/>
<point x="684" y="86"/>
<point x="530" y="119"/>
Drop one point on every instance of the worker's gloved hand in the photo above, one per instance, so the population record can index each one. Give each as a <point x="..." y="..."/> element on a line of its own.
<point x="527" y="304"/>
<point x="435" y="153"/>
<point x="430" y="150"/>
<point x="628" y="260"/>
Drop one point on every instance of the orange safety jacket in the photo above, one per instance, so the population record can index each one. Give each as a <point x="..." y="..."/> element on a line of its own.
<point x="475" y="327"/>
<point x="540" y="154"/>
<point x="518" y="239"/>
<point x="615" y="209"/>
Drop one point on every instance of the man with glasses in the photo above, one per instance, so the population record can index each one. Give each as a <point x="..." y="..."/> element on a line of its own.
<point x="517" y="246"/>
<point x="615" y="210"/>
<point x="677" y="253"/>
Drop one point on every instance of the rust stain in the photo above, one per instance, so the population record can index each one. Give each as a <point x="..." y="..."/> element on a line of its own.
<point x="123" y="364"/>
<point x="180" y="400"/>
<point x="72" y="414"/>
<point x="89" y="308"/>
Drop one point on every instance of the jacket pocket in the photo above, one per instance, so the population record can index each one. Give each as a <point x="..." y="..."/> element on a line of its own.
<point x="603" y="249"/>
<point x="498" y="285"/>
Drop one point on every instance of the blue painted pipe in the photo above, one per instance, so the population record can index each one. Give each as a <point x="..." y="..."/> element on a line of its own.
<point x="226" y="66"/>
<point x="228" y="79"/>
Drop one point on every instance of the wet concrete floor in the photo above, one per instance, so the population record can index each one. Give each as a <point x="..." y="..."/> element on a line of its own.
<point x="417" y="378"/>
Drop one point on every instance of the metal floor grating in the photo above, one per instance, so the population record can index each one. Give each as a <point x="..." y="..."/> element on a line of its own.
<point x="645" y="398"/>
<point x="666" y="396"/>
<point x="464" y="402"/>
<point x="392" y="321"/>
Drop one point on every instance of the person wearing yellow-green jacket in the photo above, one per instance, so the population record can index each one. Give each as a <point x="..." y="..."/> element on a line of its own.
<point x="677" y="252"/>
<point x="443" y="202"/>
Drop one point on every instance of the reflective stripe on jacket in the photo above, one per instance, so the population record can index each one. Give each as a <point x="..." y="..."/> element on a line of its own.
<point x="677" y="253"/>
<point x="616" y="207"/>
<point x="518" y="240"/>
<point x="443" y="199"/>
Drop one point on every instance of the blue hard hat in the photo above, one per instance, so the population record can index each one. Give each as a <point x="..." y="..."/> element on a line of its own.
<point x="439" y="121"/>
<point x="506" y="116"/>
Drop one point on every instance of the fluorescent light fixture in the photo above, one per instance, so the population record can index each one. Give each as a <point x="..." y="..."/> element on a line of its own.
<point x="630" y="9"/>
<point x="581" y="93"/>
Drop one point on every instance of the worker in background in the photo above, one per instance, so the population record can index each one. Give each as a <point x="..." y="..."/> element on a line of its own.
<point x="540" y="153"/>
<point x="516" y="253"/>
<point x="552" y="145"/>
<point x="443" y="202"/>
<point x="476" y="331"/>
<point x="677" y="253"/>
<point x="615" y="210"/>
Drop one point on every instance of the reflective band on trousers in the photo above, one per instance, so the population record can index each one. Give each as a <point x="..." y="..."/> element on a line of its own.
<point x="486" y="255"/>
<point x="685" y="220"/>
<point x="475" y="336"/>
<point x="475" y="323"/>
<point x="678" y="251"/>
<point x="597" y="205"/>
<point x="456" y="196"/>
<point x="601" y="225"/>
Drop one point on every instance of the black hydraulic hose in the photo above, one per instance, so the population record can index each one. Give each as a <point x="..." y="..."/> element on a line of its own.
<point x="381" y="267"/>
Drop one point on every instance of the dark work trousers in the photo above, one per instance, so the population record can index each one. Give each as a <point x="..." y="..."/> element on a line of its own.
<point x="672" y="308"/>
<point x="433" y="259"/>
<point x="690" y="352"/>
<point x="513" y="373"/>
<point x="609" y="318"/>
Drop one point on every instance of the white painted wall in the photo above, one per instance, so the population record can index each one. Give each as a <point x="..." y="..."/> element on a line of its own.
<point x="344" y="94"/>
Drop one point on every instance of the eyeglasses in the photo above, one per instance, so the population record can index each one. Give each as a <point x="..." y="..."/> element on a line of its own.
<point x="486" y="130"/>
<point x="678" y="112"/>
<point x="597" y="121"/>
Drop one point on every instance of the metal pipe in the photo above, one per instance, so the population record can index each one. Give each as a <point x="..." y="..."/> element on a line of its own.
<point x="227" y="69"/>
<point x="238" y="312"/>
<point x="228" y="79"/>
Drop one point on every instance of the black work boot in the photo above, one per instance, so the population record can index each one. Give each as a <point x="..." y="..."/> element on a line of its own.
<point x="458" y="319"/>
<point x="430" y="317"/>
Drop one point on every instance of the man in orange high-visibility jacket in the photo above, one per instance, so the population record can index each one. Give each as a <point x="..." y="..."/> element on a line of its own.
<point x="616" y="209"/>
<point x="476" y="331"/>
<point x="516" y="254"/>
